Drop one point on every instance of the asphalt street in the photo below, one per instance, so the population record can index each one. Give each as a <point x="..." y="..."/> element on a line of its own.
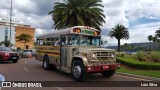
<point x="29" y="69"/>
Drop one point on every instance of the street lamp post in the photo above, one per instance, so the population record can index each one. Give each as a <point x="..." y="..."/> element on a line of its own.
<point x="10" y="22"/>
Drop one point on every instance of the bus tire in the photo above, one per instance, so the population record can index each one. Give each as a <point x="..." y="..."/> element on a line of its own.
<point x="108" y="73"/>
<point x="78" y="71"/>
<point x="46" y="64"/>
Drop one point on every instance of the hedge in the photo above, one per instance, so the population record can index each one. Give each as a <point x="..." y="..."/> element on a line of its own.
<point x="138" y="64"/>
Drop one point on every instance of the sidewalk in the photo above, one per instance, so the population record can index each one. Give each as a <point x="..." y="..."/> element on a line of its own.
<point x="139" y="76"/>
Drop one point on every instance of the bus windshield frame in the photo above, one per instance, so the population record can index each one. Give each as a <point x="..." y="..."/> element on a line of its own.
<point x="80" y="40"/>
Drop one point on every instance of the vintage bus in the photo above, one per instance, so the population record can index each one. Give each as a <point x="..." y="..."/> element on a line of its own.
<point x="76" y="50"/>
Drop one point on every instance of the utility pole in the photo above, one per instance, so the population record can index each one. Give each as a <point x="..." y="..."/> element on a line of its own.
<point x="10" y="23"/>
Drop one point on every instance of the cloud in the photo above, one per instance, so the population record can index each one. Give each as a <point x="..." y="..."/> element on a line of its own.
<point x="115" y="13"/>
<point x="128" y="13"/>
<point x="142" y="8"/>
<point x="31" y="12"/>
<point x="138" y="34"/>
<point x="37" y="7"/>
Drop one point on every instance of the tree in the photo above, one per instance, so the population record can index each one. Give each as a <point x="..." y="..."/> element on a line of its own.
<point x="150" y="37"/>
<point x="158" y="33"/>
<point x="24" y="38"/>
<point x="78" y="12"/>
<point x="6" y="43"/>
<point x="119" y="32"/>
<point x="154" y="39"/>
<point x="125" y="47"/>
<point x="132" y="46"/>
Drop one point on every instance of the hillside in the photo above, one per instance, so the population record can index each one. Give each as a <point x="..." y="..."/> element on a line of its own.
<point x="144" y="46"/>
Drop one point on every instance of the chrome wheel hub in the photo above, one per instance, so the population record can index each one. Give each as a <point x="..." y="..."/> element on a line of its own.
<point x="77" y="71"/>
<point x="45" y="64"/>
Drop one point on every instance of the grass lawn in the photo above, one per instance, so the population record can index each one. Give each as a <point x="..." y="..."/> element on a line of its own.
<point x="150" y="73"/>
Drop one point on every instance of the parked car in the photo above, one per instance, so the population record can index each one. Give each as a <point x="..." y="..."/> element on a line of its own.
<point x="29" y="53"/>
<point x="6" y="54"/>
<point x="20" y="52"/>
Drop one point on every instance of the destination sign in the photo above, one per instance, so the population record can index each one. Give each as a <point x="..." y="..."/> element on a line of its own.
<point x="85" y="31"/>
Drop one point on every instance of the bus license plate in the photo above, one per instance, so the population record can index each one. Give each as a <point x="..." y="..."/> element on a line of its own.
<point x="14" y="57"/>
<point x="105" y="67"/>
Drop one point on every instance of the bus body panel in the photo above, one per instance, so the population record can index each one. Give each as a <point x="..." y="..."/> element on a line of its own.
<point x="62" y="55"/>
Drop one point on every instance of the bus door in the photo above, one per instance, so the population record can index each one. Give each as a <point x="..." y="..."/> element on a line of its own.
<point x="63" y="53"/>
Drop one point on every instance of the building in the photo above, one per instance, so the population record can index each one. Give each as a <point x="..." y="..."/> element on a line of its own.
<point x="16" y="29"/>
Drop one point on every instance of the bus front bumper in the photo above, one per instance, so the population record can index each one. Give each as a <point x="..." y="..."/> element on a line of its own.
<point x="101" y="68"/>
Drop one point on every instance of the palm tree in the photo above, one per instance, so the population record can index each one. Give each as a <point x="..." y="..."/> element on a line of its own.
<point x="119" y="32"/>
<point x="158" y="33"/>
<point x="150" y="37"/>
<point x="24" y="38"/>
<point x="78" y="12"/>
<point x="154" y="39"/>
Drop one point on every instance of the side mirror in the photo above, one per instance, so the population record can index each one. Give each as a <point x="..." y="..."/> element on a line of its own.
<point x="101" y="42"/>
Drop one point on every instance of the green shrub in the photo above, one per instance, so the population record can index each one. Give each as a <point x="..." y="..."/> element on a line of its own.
<point x="141" y="56"/>
<point x="154" y="56"/>
<point x="138" y="64"/>
<point x="120" y="54"/>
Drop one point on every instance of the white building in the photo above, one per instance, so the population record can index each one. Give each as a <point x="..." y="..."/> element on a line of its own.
<point x="5" y="29"/>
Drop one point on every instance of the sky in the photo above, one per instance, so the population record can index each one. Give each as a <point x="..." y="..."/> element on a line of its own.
<point x="141" y="17"/>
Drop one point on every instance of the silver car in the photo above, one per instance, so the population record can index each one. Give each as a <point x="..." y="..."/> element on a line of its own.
<point x="28" y="53"/>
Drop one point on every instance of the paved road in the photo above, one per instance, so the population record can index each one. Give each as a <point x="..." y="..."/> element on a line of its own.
<point x="29" y="69"/>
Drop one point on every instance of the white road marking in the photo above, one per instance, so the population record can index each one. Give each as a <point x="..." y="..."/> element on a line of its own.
<point x="26" y="69"/>
<point x="59" y="88"/>
<point x="134" y="78"/>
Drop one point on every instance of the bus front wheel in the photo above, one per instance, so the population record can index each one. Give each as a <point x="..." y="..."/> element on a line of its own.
<point x="78" y="71"/>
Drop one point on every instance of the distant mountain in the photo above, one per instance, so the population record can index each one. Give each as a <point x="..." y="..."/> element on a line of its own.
<point x="144" y="45"/>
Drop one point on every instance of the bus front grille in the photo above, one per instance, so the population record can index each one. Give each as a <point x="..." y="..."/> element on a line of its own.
<point x="104" y="55"/>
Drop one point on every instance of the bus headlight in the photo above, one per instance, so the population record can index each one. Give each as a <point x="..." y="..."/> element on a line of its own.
<point x="112" y="56"/>
<point x="94" y="56"/>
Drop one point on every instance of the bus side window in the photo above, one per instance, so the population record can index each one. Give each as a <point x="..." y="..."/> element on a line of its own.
<point x="63" y="39"/>
<point x="57" y="41"/>
<point x="37" y="42"/>
<point x="69" y="40"/>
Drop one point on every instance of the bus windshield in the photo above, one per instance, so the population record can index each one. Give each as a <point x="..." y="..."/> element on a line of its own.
<point x="84" y="40"/>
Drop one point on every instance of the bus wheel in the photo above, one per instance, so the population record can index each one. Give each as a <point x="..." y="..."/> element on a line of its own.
<point x="46" y="64"/>
<point x="108" y="73"/>
<point x="78" y="71"/>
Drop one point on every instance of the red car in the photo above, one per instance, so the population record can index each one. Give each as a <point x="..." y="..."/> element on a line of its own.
<point x="6" y="54"/>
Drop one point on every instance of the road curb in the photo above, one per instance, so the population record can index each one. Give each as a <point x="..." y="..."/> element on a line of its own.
<point x="139" y="76"/>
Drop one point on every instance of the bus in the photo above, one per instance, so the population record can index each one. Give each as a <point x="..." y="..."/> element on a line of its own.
<point x="76" y="50"/>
